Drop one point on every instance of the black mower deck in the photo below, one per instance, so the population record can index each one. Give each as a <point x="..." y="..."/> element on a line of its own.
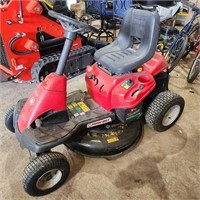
<point x="106" y="140"/>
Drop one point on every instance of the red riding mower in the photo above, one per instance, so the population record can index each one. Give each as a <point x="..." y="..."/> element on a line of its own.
<point x="31" y="41"/>
<point x="127" y="84"/>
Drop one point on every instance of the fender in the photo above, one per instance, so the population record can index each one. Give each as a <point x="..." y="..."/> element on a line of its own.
<point x="42" y="100"/>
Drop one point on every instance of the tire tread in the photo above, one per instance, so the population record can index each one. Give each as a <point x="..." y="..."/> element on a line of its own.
<point x="43" y="162"/>
<point x="159" y="105"/>
<point x="8" y="120"/>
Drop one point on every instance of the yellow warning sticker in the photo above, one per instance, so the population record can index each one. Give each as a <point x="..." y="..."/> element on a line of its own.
<point x="113" y="139"/>
<point x="83" y="106"/>
<point x="74" y="104"/>
<point x="69" y="106"/>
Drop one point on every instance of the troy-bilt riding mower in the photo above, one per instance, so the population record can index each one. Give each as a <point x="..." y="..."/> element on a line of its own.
<point x="127" y="84"/>
<point x="31" y="41"/>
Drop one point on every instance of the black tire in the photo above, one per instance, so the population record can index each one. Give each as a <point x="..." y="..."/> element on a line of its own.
<point x="45" y="174"/>
<point x="164" y="110"/>
<point x="9" y="119"/>
<point x="39" y="74"/>
<point x="194" y="69"/>
<point x="191" y="38"/>
<point x="176" y="53"/>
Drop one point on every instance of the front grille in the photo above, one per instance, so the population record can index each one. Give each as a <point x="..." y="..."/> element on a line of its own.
<point x="4" y="59"/>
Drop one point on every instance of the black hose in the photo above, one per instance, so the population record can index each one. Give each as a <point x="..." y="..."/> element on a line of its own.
<point x="12" y="41"/>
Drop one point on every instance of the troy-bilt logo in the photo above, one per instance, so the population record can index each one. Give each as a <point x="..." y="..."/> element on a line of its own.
<point x="97" y="123"/>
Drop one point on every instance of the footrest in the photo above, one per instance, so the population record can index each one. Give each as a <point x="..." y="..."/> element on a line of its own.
<point x="83" y="113"/>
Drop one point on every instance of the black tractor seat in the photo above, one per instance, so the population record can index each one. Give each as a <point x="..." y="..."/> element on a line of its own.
<point x="120" y="57"/>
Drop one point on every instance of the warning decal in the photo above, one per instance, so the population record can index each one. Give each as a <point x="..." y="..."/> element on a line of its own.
<point x="78" y="108"/>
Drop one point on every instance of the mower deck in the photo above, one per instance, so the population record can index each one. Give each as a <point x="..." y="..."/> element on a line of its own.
<point x="83" y="113"/>
<point x="106" y="140"/>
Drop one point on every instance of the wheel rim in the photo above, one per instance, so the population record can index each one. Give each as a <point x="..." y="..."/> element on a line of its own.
<point x="195" y="69"/>
<point x="177" y="49"/>
<point x="176" y="52"/>
<point x="49" y="179"/>
<point x="171" y="115"/>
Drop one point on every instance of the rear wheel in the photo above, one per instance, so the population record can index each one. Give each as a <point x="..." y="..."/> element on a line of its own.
<point x="176" y="53"/>
<point x="45" y="174"/>
<point x="9" y="119"/>
<point x="194" y="70"/>
<point x="164" y="110"/>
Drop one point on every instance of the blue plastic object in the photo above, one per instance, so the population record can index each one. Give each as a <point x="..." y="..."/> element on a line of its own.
<point x="99" y="8"/>
<point x="119" y="8"/>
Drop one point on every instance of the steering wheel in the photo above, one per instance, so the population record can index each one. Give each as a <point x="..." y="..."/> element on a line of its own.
<point x="71" y="24"/>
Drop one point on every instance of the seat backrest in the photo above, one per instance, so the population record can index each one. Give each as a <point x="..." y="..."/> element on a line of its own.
<point x="142" y="25"/>
<point x="126" y="54"/>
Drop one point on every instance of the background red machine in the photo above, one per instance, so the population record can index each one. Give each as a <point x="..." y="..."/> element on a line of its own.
<point x="31" y="41"/>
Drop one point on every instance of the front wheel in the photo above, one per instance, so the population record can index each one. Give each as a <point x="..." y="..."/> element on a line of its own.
<point x="9" y="119"/>
<point x="175" y="53"/>
<point x="194" y="70"/>
<point x="45" y="174"/>
<point x="164" y="110"/>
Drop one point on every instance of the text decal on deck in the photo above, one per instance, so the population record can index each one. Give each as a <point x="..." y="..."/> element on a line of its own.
<point x="97" y="123"/>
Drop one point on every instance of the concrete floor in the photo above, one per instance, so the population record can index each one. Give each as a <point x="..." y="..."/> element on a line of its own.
<point x="163" y="166"/>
